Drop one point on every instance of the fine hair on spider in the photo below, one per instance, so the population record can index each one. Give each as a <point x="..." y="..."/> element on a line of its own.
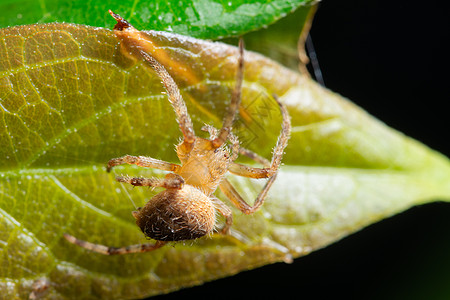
<point x="186" y="208"/>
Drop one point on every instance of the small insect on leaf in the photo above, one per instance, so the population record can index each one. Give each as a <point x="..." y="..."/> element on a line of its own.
<point x="186" y="208"/>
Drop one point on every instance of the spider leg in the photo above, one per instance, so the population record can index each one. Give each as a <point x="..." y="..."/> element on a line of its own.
<point x="134" y="44"/>
<point x="142" y="161"/>
<point x="250" y="154"/>
<point x="229" y="191"/>
<point x="270" y="170"/>
<point x="242" y="170"/>
<point x="234" y="140"/>
<point x="235" y="102"/>
<point x="226" y="212"/>
<point x="235" y="149"/>
<point x="183" y="118"/>
<point x="211" y="130"/>
<point x="102" y="249"/>
<point x="171" y="181"/>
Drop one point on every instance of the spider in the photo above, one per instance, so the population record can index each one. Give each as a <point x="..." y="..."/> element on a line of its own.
<point x="186" y="208"/>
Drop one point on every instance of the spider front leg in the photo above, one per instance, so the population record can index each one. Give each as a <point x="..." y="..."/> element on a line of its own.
<point x="259" y="159"/>
<point x="171" y="181"/>
<point x="134" y="44"/>
<point x="102" y="249"/>
<point x="142" y="161"/>
<point x="270" y="170"/>
<point x="178" y="104"/>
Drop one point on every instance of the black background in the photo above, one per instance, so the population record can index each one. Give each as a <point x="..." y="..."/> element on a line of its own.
<point x="390" y="58"/>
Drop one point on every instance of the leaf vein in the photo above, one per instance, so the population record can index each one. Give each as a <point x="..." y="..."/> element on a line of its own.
<point x="84" y="203"/>
<point x="77" y="126"/>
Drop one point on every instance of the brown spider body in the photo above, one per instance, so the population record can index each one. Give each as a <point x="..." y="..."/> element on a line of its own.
<point x="187" y="213"/>
<point x="204" y="166"/>
<point x="177" y="214"/>
<point x="187" y="208"/>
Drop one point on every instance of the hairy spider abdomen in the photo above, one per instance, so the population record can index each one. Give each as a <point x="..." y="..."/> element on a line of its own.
<point x="177" y="214"/>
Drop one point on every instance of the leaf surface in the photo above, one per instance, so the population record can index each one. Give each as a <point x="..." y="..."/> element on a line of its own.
<point x="198" y="18"/>
<point x="70" y="101"/>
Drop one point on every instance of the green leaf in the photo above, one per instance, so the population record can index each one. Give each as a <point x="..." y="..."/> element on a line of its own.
<point x="70" y="101"/>
<point x="197" y="18"/>
<point x="280" y="41"/>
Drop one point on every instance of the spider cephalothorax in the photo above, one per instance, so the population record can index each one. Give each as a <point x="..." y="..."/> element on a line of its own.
<point x="186" y="208"/>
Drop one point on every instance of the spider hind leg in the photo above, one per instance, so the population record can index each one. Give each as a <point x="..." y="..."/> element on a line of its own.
<point x="106" y="250"/>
